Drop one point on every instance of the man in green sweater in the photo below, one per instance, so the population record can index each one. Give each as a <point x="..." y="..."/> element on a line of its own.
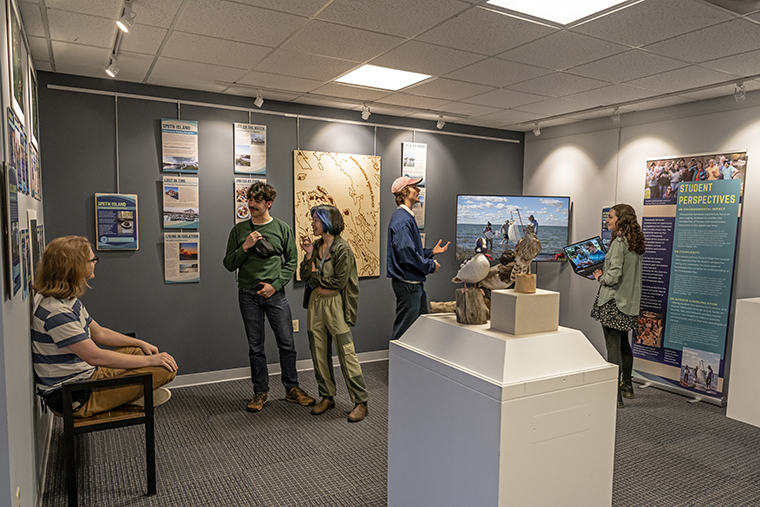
<point x="263" y="251"/>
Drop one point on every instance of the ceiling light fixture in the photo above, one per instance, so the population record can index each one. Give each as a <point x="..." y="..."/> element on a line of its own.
<point x="440" y="123"/>
<point x="381" y="77"/>
<point x="616" y="115"/>
<point x="112" y="68"/>
<point x="365" y="112"/>
<point x="127" y="18"/>
<point x="559" y="11"/>
<point x="259" y="99"/>
<point x="739" y="93"/>
<point x="536" y="129"/>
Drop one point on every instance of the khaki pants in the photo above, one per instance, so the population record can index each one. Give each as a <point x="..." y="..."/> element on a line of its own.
<point x="325" y="319"/>
<point x="103" y="400"/>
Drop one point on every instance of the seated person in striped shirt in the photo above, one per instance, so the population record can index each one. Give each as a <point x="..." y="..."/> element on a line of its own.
<point x="65" y="339"/>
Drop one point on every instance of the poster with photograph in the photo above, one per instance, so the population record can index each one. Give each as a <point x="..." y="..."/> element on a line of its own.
<point x="250" y="148"/>
<point x="606" y="233"/>
<point x="116" y="221"/>
<point x="181" y="210"/>
<point x="36" y="174"/>
<point x="419" y="210"/>
<point x="40" y="240"/>
<point x="182" y="257"/>
<point x="31" y="216"/>
<point x="26" y="262"/>
<point x="34" y="120"/>
<point x="179" y="143"/>
<point x="17" y="151"/>
<point x="14" y="242"/>
<point x="16" y="59"/>
<point x="241" y="202"/>
<point x="414" y="161"/>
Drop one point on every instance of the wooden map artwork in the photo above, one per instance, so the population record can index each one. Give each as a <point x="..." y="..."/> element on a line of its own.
<point x="351" y="183"/>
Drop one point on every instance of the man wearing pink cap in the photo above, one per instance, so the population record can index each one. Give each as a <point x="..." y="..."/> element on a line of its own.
<point x="408" y="262"/>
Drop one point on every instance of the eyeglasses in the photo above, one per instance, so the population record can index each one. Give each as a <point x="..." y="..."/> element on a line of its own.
<point x="95" y="259"/>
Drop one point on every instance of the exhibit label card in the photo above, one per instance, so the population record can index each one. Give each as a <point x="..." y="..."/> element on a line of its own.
<point x="116" y="221"/>
<point x="241" y="202"/>
<point x="179" y="139"/>
<point x="11" y="184"/>
<point x="250" y="148"/>
<point x="414" y="161"/>
<point x="182" y="257"/>
<point x="181" y="210"/>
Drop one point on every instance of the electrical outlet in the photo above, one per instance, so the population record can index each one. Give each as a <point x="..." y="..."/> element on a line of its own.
<point x="295" y="325"/>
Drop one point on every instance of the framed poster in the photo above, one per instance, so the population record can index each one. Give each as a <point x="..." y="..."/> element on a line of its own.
<point x="12" y="231"/>
<point x="250" y="149"/>
<point x="181" y="210"/>
<point x="182" y="257"/>
<point x="179" y="146"/>
<point x="116" y="222"/>
<point x="16" y="59"/>
<point x="241" y="201"/>
<point x="414" y="161"/>
<point x="34" y="112"/>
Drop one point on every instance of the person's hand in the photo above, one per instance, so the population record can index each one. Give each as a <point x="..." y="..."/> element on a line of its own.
<point x="437" y="249"/>
<point x="147" y="348"/>
<point x="597" y="273"/>
<point x="307" y="246"/>
<point x="437" y="266"/>
<point x="251" y="240"/>
<point x="163" y="359"/>
<point x="267" y="291"/>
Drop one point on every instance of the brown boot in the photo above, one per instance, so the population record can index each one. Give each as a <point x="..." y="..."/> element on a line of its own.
<point x="358" y="413"/>
<point x="257" y="403"/>
<point x="298" y="395"/>
<point x="323" y="406"/>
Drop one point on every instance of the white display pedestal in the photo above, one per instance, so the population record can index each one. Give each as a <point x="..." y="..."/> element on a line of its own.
<point x="743" y="403"/>
<point x="478" y="417"/>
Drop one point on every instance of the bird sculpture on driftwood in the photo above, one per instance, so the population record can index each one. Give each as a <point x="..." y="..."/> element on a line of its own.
<point x="525" y="251"/>
<point x="474" y="269"/>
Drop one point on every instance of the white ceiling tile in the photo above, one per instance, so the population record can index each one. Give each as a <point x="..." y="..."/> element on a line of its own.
<point x="496" y="72"/>
<point x="563" y="50"/>
<point x="558" y="84"/>
<point x="721" y="91"/>
<point x="336" y="41"/>
<point x="199" y="48"/>
<point x="306" y="8"/>
<point x="506" y="117"/>
<point x="551" y="107"/>
<point x="405" y="18"/>
<point x="415" y="56"/>
<point x="609" y="95"/>
<point x="197" y="76"/>
<point x="461" y="108"/>
<point x="657" y="103"/>
<point x="238" y="22"/>
<point x="745" y="64"/>
<point x="350" y="92"/>
<point x="680" y="79"/>
<point x="716" y="41"/>
<point x="633" y="64"/>
<point x="447" y="89"/>
<point x="246" y="91"/>
<point x="504" y="98"/>
<point x="159" y="13"/>
<point x="294" y="63"/>
<point x="69" y="55"/>
<point x="104" y="8"/>
<point x="485" y="32"/>
<point x="653" y="20"/>
<point x="143" y="39"/>
<point x="31" y="17"/>
<point x="39" y="49"/>
<point x="550" y="123"/>
<point x="133" y="67"/>
<point x="46" y="66"/>
<point x="274" y="81"/>
<point x="401" y="99"/>
<point x="81" y="28"/>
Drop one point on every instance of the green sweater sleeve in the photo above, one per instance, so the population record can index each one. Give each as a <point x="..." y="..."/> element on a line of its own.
<point x="290" y="259"/>
<point x="235" y="255"/>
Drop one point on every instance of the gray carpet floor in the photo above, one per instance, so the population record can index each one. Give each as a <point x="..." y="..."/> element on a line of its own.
<point x="210" y="451"/>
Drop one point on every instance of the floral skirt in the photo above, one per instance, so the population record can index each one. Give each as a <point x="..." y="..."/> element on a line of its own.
<point x="609" y="315"/>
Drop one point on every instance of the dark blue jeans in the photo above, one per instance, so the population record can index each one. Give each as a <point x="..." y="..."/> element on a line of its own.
<point x="253" y="308"/>
<point x="411" y="302"/>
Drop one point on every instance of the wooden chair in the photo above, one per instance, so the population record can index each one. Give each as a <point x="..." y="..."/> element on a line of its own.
<point x="116" y="418"/>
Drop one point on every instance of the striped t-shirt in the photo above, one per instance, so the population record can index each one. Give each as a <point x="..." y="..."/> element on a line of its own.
<point x="58" y="323"/>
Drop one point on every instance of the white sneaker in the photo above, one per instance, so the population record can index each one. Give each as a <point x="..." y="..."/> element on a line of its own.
<point x="160" y="396"/>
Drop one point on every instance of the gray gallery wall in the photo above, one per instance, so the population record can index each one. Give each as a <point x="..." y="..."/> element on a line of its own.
<point x="200" y="323"/>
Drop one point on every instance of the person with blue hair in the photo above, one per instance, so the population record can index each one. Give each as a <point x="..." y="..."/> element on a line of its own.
<point x="329" y="270"/>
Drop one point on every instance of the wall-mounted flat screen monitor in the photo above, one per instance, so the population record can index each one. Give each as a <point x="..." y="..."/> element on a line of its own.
<point x="500" y="220"/>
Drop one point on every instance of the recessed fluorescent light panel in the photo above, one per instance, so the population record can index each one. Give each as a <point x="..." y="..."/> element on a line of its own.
<point x="381" y="77"/>
<point x="558" y="11"/>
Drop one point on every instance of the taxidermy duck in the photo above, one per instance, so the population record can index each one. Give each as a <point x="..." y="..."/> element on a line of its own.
<point x="474" y="269"/>
<point x="499" y="275"/>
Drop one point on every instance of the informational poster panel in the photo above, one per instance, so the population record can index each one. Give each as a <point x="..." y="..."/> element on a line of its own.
<point x="414" y="161"/>
<point x="181" y="208"/>
<point x="182" y="259"/>
<point x="250" y="149"/>
<point x="419" y="210"/>
<point x="690" y="224"/>
<point x="606" y="233"/>
<point x="241" y="200"/>
<point x="116" y="221"/>
<point x="35" y="173"/>
<point x="179" y="140"/>
<point x="16" y="58"/>
<point x="17" y="151"/>
<point x="14" y="242"/>
<point x="26" y="262"/>
<point x="352" y="184"/>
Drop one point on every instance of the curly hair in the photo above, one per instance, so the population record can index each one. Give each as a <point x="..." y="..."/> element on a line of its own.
<point x="63" y="271"/>
<point x="261" y="191"/>
<point x="401" y="194"/>
<point x="628" y="227"/>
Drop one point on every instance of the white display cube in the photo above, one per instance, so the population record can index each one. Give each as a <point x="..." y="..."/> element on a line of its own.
<point x="519" y="313"/>
<point x="478" y="417"/>
<point x="743" y="403"/>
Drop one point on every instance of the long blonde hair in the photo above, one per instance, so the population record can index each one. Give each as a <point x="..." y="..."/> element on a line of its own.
<point x="63" y="271"/>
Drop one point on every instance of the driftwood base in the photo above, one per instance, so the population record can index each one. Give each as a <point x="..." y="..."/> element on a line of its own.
<point x="525" y="284"/>
<point x="471" y="306"/>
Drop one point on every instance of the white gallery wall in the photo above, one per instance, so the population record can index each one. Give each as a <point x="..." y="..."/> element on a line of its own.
<point x="599" y="163"/>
